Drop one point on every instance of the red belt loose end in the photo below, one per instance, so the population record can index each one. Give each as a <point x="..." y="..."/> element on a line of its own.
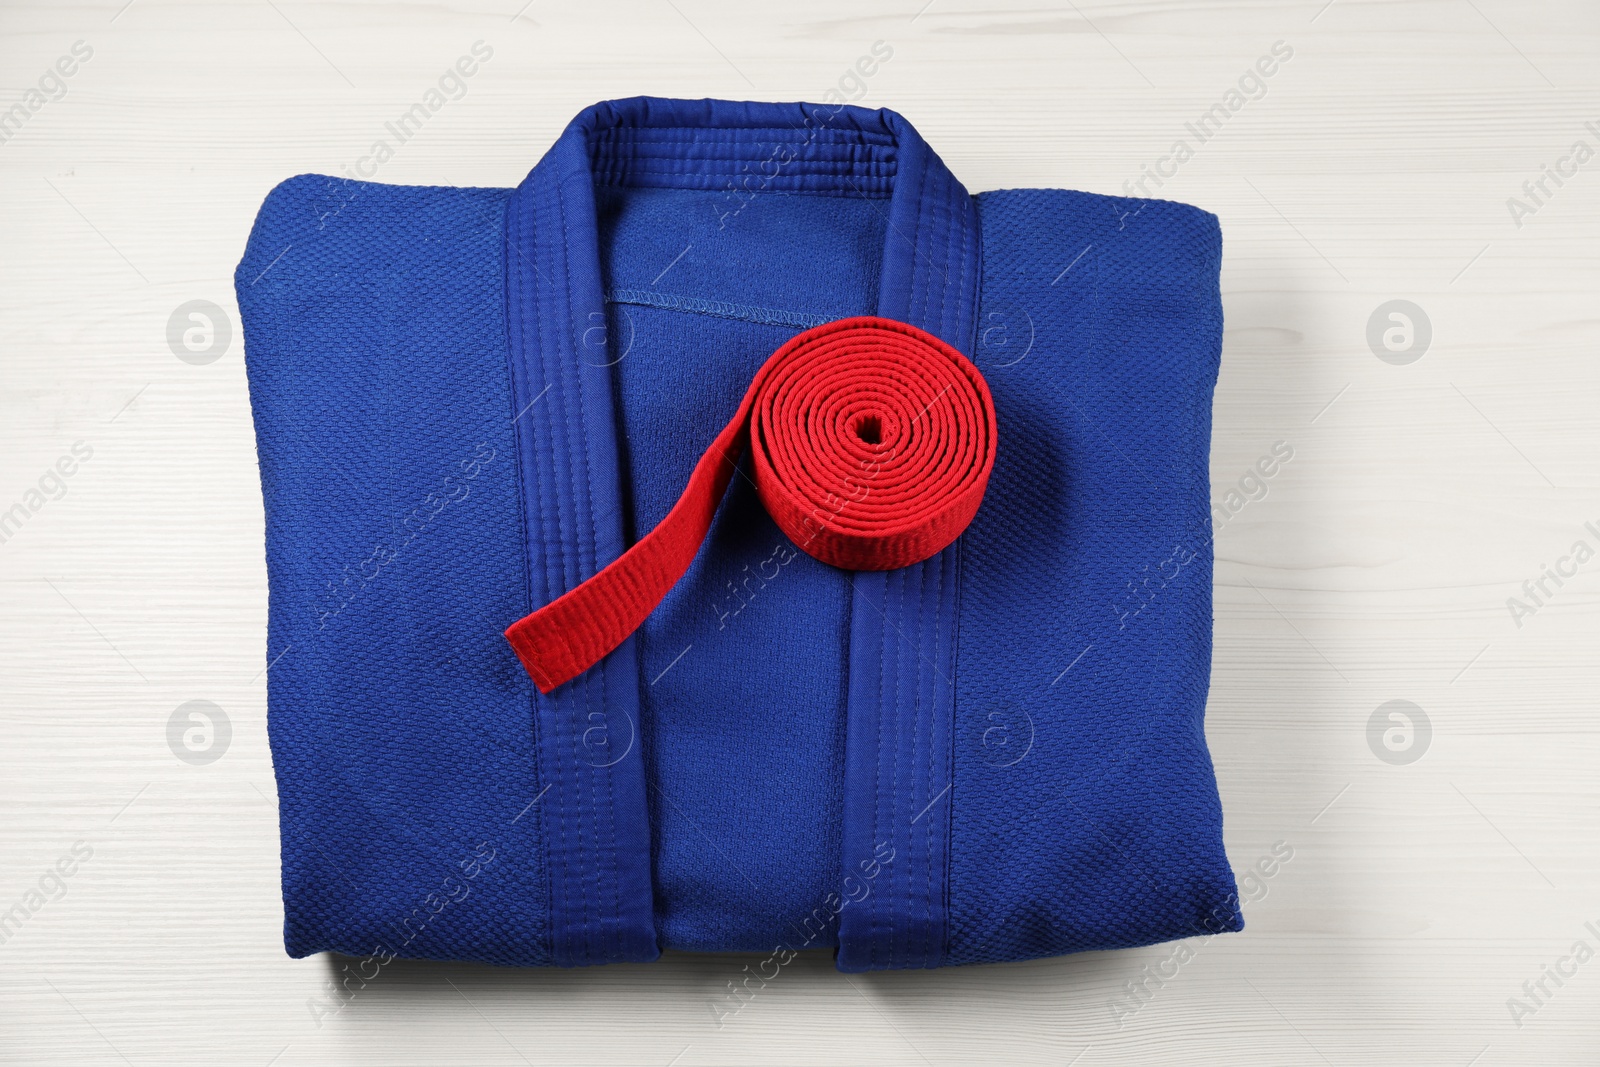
<point x="873" y="442"/>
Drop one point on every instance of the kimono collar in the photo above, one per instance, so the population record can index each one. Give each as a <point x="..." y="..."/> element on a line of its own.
<point x="596" y="815"/>
<point x="930" y="260"/>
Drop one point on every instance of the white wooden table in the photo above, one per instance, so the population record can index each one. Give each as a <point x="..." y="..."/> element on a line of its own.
<point x="1422" y="493"/>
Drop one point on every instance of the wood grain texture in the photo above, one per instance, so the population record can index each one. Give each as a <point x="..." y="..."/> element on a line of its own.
<point x="1377" y="567"/>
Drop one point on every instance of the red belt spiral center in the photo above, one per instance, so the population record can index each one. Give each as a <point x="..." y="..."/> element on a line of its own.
<point x="872" y="444"/>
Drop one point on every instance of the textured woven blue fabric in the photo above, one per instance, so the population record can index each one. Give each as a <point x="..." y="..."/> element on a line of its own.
<point x="400" y="731"/>
<point x="1086" y="812"/>
<point x="467" y="401"/>
<point x="742" y="850"/>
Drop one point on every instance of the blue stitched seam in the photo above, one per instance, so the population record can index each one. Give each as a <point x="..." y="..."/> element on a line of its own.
<point x="889" y="754"/>
<point x="722" y="309"/>
<point x="516" y="368"/>
<point x="528" y="305"/>
<point x="918" y="636"/>
<point x="568" y="570"/>
<point x="600" y="785"/>
<point x="939" y="933"/>
<point x="721" y="134"/>
<point x="878" y="820"/>
<point x="551" y="419"/>
<point x="950" y="750"/>
<point x="935" y="706"/>
<point x="911" y="716"/>
<point x="710" y="183"/>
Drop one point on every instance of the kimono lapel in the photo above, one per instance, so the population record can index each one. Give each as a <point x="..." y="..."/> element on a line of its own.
<point x="901" y="707"/>
<point x="902" y="638"/>
<point x="592" y="802"/>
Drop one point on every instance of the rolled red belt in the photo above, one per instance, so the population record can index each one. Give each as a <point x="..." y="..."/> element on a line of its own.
<point x="873" y="442"/>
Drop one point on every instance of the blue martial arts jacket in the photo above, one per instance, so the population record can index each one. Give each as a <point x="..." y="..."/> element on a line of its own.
<point x="467" y="401"/>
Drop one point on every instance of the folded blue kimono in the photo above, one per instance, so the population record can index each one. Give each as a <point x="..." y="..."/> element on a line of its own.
<point x="468" y="401"/>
